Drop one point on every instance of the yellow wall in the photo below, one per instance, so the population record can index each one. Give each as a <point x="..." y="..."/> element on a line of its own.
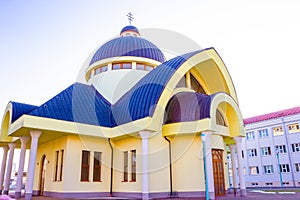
<point x="73" y="146"/>
<point x="188" y="174"/>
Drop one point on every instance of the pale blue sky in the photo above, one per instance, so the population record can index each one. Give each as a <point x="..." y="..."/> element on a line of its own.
<point x="44" y="43"/>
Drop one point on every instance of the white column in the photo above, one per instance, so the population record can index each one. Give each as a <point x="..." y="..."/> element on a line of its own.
<point x="35" y="134"/>
<point x="9" y="167"/>
<point x="24" y="140"/>
<point x="206" y="137"/>
<point x="3" y="166"/>
<point x="239" y="149"/>
<point x="233" y="167"/>
<point x="145" y="166"/>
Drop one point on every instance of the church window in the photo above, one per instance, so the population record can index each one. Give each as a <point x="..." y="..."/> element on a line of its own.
<point x="61" y="164"/>
<point x="220" y="119"/>
<point x="133" y="165"/>
<point x="97" y="166"/>
<point x="85" y="165"/>
<point x="140" y="66"/>
<point x="125" y="173"/>
<point x="56" y="166"/>
<point x="117" y="66"/>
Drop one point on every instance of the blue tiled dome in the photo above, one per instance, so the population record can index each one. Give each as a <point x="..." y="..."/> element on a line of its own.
<point x="128" y="46"/>
<point x="129" y="28"/>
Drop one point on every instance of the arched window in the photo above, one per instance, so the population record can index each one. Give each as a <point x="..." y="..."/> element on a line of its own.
<point x="196" y="85"/>
<point x="220" y="119"/>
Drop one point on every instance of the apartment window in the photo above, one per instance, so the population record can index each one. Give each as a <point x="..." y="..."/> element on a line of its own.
<point x="265" y="151"/>
<point x="263" y="133"/>
<point x="297" y="167"/>
<point x="280" y="148"/>
<point x="254" y="184"/>
<point x="85" y="165"/>
<point x="277" y="131"/>
<point x="254" y="170"/>
<point x="269" y="184"/>
<point x="125" y="173"/>
<point x="293" y="128"/>
<point x="250" y="135"/>
<point x="268" y="169"/>
<point x="285" y="183"/>
<point x="61" y="164"/>
<point x="97" y="166"/>
<point x="133" y="165"/>
<point x="56" y="166"/>
<point x="296" y="147"/>
<point x="252" y="153"/>
<point x="284" y="168"/>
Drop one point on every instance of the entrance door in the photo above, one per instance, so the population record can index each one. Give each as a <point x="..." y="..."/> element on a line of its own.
<point x="42" y="174"/>
<point x="218" y="170"/>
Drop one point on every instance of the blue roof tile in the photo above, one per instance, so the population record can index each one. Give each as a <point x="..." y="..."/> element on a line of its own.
<point x="128" y="46"/>
<point x="188" y="106"/>
<point x="19" y="109"/>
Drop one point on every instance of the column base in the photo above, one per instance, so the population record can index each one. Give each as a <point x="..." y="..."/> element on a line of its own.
<point x="243" y="192"/>
<point x="5" y="192"/>
<point x="28" y="196"/>
<point x="145" y="196"/>
<point x="211" y="195"/>
<point x="17" y="195"/>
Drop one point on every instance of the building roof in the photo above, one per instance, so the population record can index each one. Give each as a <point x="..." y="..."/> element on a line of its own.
<point x="84" y="104"/>
<point x="18" y="109"/>
<point x="129" y="28"/>
<point x="128" y="46"/>
<point x="188" y="106"/>
<point x="273" y="115"/>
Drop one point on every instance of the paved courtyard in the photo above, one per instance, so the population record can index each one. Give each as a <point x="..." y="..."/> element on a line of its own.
<point x="251" y="194"/>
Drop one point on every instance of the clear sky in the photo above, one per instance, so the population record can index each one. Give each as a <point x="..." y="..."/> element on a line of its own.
<point x="43" y="44"/>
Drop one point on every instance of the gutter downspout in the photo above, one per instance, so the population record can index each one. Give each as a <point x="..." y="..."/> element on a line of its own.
<point x="111" y="167"/>
<point x="170" y="160"/>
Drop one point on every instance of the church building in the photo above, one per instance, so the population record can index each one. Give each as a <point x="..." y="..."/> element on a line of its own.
<point x="140" y="127"/>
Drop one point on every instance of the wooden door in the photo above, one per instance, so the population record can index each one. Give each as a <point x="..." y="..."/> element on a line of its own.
<point x="218" y="171"/>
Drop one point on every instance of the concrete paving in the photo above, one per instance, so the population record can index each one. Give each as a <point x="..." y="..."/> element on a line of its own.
<point x="251" y="195"/>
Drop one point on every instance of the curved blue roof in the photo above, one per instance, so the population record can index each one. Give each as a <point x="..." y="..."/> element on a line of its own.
<point x="129" y="28"/>
<point x="19" y="109"/>
<point x="84" y="104"/>
<point x="188" y="106"/>
<point x="128" y="46"/>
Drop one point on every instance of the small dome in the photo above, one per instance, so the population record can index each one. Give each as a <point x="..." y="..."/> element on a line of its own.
<point x="129" y="29"/>
<point x="128" y="46"/>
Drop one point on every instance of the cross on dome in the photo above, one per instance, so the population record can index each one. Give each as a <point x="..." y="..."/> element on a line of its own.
<point x="130" y="17"/>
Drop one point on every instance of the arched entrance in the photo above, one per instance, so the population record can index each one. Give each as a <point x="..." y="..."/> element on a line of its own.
<point x="43" y="167"/>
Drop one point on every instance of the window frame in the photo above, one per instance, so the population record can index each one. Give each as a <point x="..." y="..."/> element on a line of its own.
<point x="97" y="166"/>
<point x="61" y="164"/>
<point x="281" y="149"/>
<point x="284" y="168"/>
<point x="256" y="170"/>
<point x="250" y="135"/>
<point x="278" y="130"/>
<point x="85" y="166"/>
<point x="267" y="152"/>
<point x="121" y="65"/>
<point x="295" y="147"/>
<point x="252" y="153"/>
<point x="294" y="130"/>
<point x="125" y="166"/>
<point x="297" y="167"/>
<point x="133" y="165"/>
<point x="267" y="168"/>
<point x="263" y="133"/>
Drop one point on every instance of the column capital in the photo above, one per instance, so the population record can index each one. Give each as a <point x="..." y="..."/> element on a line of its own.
<point x="5" y="149"/>
<point x="205" y="135"/>
<point x="145" y="134"/>
<point x="35" y="133"/>
<point x="232" y="147"/>
<point x="238" y="140"/>
<point x="11" y="145"/>
<point x="24" y="139"/>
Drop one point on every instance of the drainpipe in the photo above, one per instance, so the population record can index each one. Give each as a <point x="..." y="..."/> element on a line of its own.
<point x="170" y="162"/>
<point x="111" y="167"/>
